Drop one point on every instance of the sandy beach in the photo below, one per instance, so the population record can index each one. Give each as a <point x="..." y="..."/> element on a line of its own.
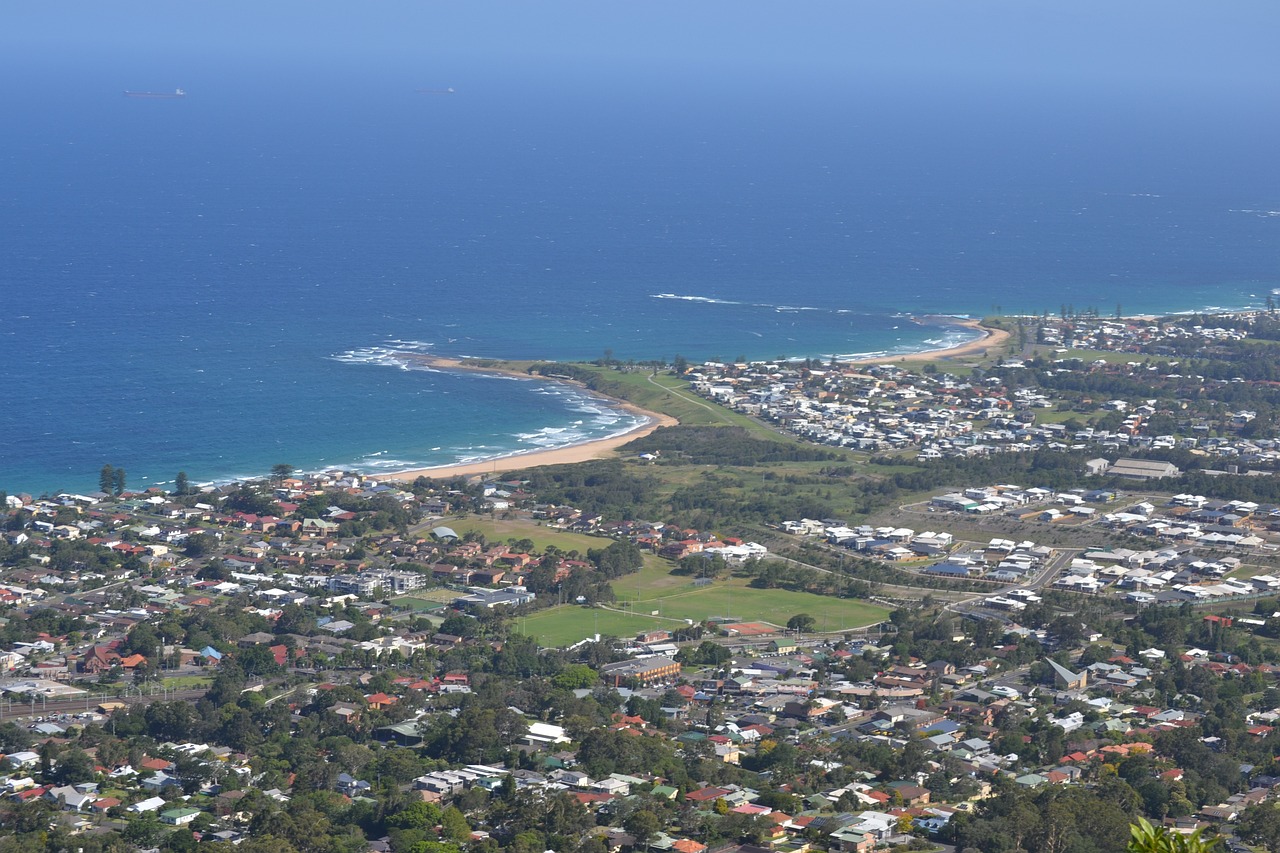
<point x="991" y="339"/>
<point x="583" y="452"/>
<point x="599" y="449"/>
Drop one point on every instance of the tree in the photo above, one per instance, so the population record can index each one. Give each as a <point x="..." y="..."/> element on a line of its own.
<point x="181" y="485"/>
<point x="199" y="545"/>
<point x="1260" y="824"/>
<point x="575" y="676"/>
<point x="281" y="472"/>
<point x="117" y="481"/>
<point x="107" y="479"/>
<point x="142" y="639"/>
<point x="642" y="825"/>
<point x="454" y="826"/>
<point x="74" y="766"/>
<point x="417" y="816"/>
<point x="1145" y="838"/>
<point x="801" y="623"/>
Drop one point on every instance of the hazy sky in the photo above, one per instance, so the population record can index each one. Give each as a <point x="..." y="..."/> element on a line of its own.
<point x="1161" y="43"/>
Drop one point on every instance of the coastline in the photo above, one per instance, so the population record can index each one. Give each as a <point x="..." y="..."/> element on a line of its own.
<point x="991" y="339"/>
<point x="582" y="452"/>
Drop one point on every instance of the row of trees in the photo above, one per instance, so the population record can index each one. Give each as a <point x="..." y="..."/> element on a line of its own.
<point x="111" y="480"/>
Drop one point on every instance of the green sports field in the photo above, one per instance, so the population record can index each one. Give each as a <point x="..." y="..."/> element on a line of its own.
<point x="675" y="598"/>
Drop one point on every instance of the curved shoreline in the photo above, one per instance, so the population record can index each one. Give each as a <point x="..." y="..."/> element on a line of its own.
<point x="991" y="339"/>
<point x="581" y="452"/>
<point x="602" y="447"/>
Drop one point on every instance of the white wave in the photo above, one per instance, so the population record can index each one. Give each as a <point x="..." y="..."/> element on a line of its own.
<point x="768" y="306"/>
<point x="390" y="464"/>
<point x="707" y="299"/>
<point x="385" y="356"/>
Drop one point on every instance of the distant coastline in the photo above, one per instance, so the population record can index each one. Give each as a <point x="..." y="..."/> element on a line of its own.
<point x="990" y="338"/>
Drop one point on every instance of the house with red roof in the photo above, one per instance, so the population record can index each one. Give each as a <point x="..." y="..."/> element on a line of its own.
<point x="31" y="793"/>
<point x="100" y="658"/>
<point x="101" y="805"/>
<point x="703" y="796"/>
<point x="688" y="845"/>
<point x="591" y="799"/>
<point x="378" y="701"/>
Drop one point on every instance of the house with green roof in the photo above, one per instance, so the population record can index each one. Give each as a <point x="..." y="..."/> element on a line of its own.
<point x="179" y="817"/>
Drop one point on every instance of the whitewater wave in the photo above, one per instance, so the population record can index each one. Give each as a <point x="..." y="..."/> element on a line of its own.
<point x="769" y="306"/>
<point x="384" y="356"/>
<point x="384" y="464"/>
<point x="707" y="299"/>
<point x="596" y="418"/>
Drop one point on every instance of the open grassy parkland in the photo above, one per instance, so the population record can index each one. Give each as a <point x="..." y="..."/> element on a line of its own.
<point x="654" y="597"/>
<point x="504" y="529"/>
<point x="675" y="598"/>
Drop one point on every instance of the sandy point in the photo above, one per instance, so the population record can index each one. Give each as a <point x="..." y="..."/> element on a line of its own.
<point x="585" y="451"/>
<point x="991" y="339"/>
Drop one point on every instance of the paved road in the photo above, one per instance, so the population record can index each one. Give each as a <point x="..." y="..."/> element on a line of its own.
<point x="1052" y="567"/>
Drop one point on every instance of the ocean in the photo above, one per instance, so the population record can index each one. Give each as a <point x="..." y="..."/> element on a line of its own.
<point x="213" y="284"/>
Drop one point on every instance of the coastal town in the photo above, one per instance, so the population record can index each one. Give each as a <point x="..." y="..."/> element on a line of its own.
<point x="334" y="661"/>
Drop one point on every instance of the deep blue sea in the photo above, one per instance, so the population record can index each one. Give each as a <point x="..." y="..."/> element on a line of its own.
<point x="209" y="284"/>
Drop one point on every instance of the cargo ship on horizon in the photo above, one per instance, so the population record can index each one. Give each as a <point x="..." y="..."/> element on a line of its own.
<point x="176" y="93"/>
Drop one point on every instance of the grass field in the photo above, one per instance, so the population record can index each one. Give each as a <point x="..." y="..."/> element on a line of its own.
<point x="567" y="624"/>
<point x="500" y="530"/>
<point x="1249" y="570"/>
<point x="670" y="395"/>
<point x="187" y="682"/>
<point x="425" y="601"/>
<point x="676" y="599"/>
<point x="1090" y="355"/>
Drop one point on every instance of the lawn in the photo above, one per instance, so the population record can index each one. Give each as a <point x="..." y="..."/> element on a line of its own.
<point x="1249" y="570"/>
<point x="421" y="603"/>
<point x="500" y="530"/>
<point x="675" y="599"/>
<point x="734" y="599"/>
<point x="187" y="682"/>
<point x="1053" y="416"/>
<point x="1090" y="355"/>
<point x="496" y="530"/>
<point x="569" y="623"/>
<point x="671" y="395"/>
